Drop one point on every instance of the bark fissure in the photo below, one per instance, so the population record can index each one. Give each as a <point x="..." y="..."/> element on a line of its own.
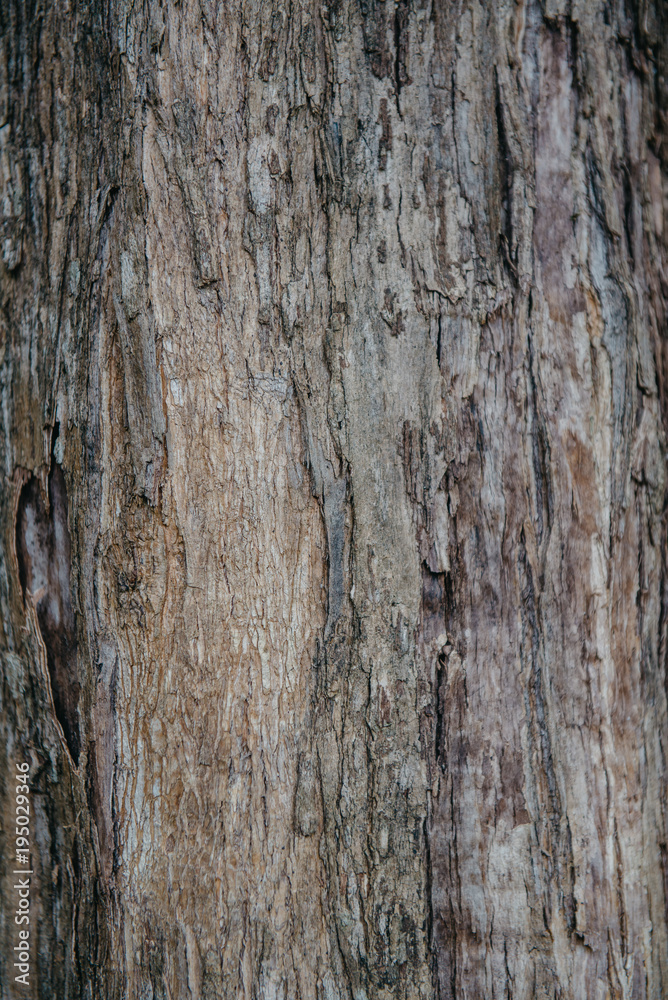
<point x="44" y="562"/>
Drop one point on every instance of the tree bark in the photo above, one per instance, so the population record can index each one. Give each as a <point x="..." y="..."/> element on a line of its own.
<point x="333" y="559"/>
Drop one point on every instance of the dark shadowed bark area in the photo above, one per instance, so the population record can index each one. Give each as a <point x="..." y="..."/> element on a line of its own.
<point x="333" y="556"/>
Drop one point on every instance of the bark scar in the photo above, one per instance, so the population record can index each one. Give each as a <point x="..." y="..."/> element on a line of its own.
<point x="43" y="553"/>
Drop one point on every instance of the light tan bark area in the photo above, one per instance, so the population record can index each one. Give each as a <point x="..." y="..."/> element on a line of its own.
<point x="338" y="334"/>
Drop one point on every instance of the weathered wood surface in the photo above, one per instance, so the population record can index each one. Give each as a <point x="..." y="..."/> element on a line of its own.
<point x="333" y="539"/>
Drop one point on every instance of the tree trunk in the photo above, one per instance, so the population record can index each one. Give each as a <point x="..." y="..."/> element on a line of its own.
<point x="333" y="565"/>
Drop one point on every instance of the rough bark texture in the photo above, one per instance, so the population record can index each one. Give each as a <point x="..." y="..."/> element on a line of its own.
<point x="333" y="564"/>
